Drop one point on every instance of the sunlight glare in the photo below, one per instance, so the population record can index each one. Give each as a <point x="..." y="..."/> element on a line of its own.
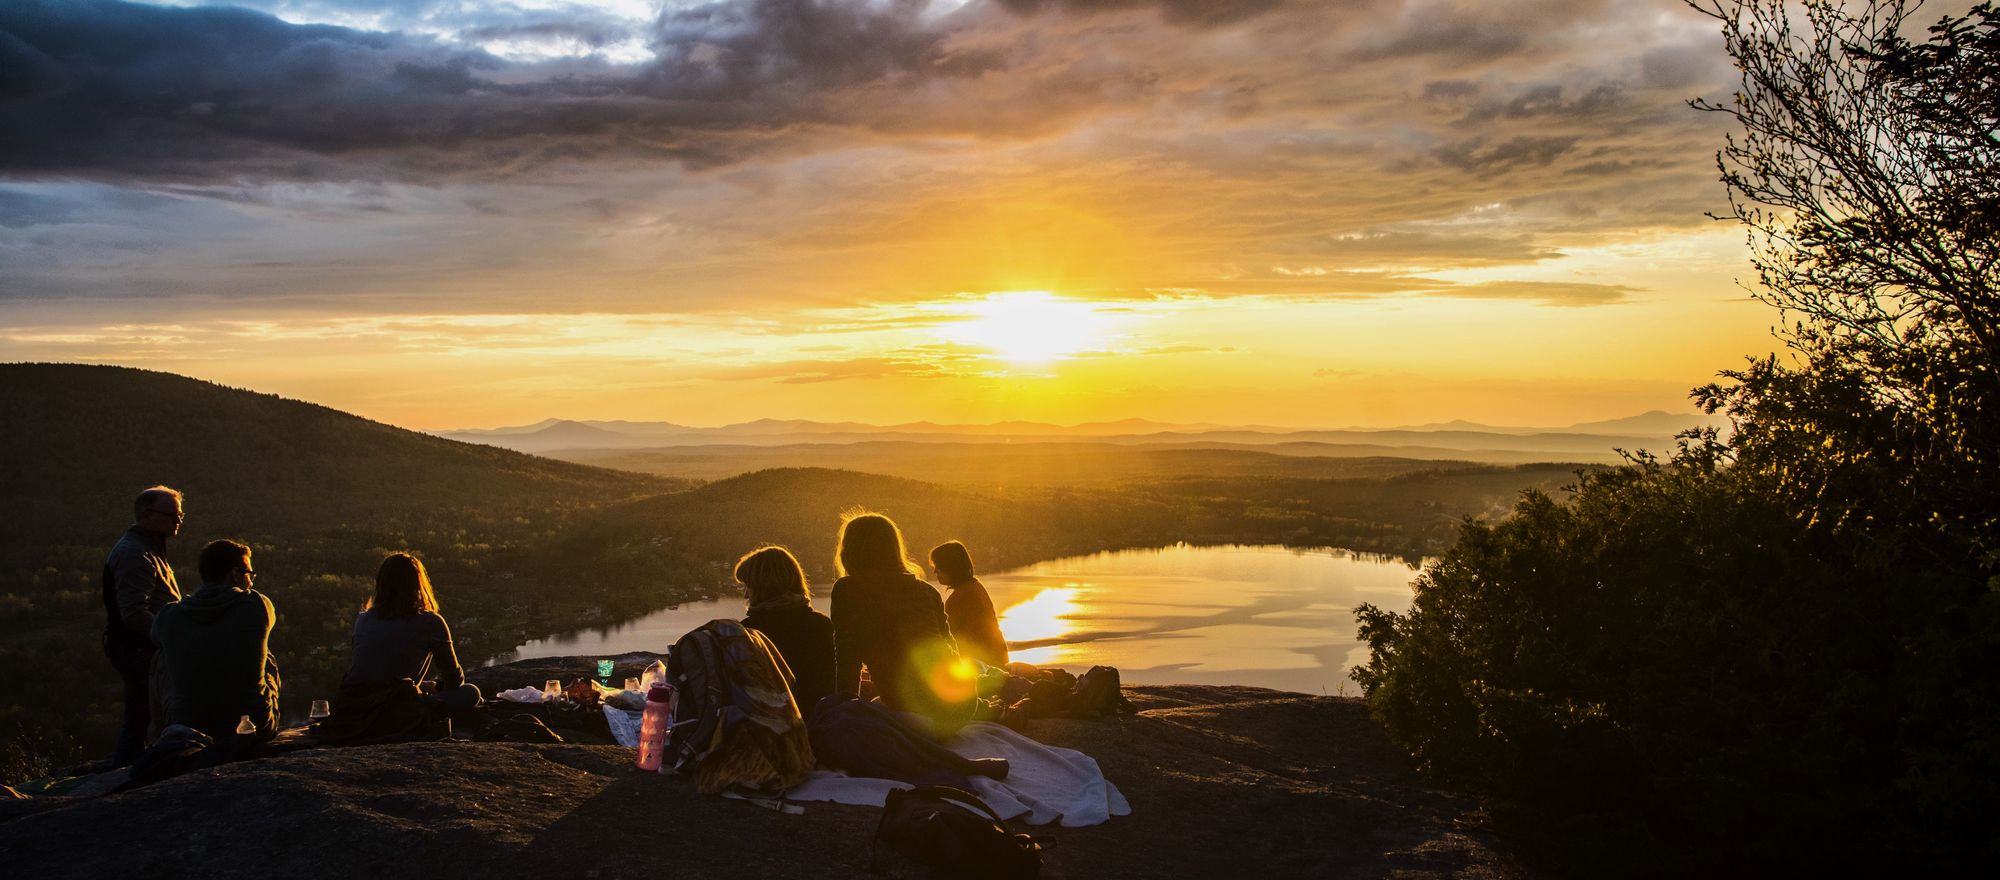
<point x="1031" y="326"/>
<point x="1043" y="616"/>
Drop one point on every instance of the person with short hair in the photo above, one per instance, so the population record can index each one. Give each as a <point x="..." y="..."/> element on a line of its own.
<point x="968" y="608"/>
<point x="216" y="646"/>
<point x="137" y="583"/>
<point x="779" y="605"/>
<point x="889" y="620"/>
<point x="399" y="634"/>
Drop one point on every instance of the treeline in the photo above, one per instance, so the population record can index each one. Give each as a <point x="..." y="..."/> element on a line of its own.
<point x="705" y="529"/>
<point x="1772" y="653"/>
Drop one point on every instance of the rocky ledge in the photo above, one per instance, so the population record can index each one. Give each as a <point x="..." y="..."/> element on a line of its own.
<point x="1223" y="781"/>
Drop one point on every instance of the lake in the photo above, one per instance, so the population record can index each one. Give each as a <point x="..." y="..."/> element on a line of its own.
<point x="1265" y="616"/>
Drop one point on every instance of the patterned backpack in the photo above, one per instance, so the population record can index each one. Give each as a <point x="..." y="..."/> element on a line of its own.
<point x="735" y="723"/>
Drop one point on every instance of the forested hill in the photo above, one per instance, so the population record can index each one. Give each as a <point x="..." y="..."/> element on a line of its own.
<point x="77" y="442"/>
<point x="1408" y="514"/>
<point x="319" y="495"/>
<point x="801" y="507"/>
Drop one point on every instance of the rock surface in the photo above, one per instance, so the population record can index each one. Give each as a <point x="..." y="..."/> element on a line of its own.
<point x="1223" y="781"/>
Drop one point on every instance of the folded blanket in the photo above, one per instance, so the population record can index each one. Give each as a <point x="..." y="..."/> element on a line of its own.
<point x="1048" y="783"/>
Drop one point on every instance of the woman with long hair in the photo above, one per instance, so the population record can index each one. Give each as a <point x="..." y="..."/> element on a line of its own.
<point x="401" y="635"/>
<point x="779" y="604"/>
<point x="890" y="621"/>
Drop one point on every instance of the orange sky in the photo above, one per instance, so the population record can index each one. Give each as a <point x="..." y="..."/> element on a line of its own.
<point x="1290" y="213"/>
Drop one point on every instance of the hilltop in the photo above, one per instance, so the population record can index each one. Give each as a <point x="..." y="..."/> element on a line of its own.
<point x="80" y="440"/>
<point x="1224" y="782"/>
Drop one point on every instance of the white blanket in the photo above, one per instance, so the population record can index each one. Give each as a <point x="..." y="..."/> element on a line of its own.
<point x="1044" y="783"/>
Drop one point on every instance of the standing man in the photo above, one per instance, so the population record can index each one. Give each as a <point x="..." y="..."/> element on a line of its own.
<point x="138" y="582"/>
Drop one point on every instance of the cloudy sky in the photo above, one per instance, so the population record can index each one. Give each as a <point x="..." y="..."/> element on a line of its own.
<point x="444" y="213"/>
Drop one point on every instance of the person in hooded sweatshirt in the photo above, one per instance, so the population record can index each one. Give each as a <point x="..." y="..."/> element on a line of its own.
<point x="216" y="646"/>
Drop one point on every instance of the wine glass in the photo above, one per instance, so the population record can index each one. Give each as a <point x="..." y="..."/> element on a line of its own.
<point x="319" y="711"/>
<point x="552" y="690"/>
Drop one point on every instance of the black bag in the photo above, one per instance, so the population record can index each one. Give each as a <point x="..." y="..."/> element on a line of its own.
<point x="1048" y="697"/>
<point x="1097" y="694"/>
<point x="954" y="834"/>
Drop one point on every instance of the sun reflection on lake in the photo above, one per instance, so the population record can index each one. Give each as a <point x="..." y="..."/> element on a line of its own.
<point x="1044" y="616"/>
<point x="1275" y="617"/>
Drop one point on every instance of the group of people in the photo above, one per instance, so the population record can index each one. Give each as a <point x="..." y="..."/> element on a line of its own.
<point x="203" y="660"/>
<point x="915" y="647"/>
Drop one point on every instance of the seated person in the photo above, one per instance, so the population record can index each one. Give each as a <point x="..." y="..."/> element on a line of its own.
<point x="215" y="645"/>
<point x="890" y="621"/>
<point x="780" y="606"/>
<point x="968" y="609"/>
<point x="400" y="635"/>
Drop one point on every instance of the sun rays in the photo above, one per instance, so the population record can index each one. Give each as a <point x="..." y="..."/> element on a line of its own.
<point x="1031" y="327"/>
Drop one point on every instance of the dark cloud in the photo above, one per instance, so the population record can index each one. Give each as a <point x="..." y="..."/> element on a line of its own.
<point x="1204" y="13"/>
<point x="1482" y="155"/>
<point x="126" y="91"/>
<point x="1546" y="100"/>
<point x="777" y="52"/>
<point x="822" y="153"/>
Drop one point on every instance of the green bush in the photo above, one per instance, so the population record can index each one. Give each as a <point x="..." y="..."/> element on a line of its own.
<point x="1775" y="652"/>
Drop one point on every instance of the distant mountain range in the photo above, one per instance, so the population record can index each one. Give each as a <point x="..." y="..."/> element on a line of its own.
<point x="1458" y="439"/>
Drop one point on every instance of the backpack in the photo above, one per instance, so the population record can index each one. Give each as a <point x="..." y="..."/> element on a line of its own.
<point x="1049" y="695"/>
<point x="1098" y="693"/>
<point x="734" y="720"/>
<point x="953" y="833"/>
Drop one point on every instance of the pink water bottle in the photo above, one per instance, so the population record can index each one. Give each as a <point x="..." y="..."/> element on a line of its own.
<point x="654" y="724"/>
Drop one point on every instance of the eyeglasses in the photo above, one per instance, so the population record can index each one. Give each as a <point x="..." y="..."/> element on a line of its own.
<point x="174" y="515"/>
<point x="248" y="572"/>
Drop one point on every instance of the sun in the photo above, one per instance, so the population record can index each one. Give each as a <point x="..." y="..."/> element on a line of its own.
<point x="1031" y="326"/>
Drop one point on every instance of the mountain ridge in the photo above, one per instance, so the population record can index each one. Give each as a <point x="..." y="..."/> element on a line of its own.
<point x="1652" y="430"/>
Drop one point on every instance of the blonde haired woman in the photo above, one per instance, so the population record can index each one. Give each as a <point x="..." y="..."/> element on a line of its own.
<point x="887" y="619"/>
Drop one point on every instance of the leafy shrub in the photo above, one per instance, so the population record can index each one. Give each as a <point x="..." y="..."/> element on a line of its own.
<point x="1776" y="652"/>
